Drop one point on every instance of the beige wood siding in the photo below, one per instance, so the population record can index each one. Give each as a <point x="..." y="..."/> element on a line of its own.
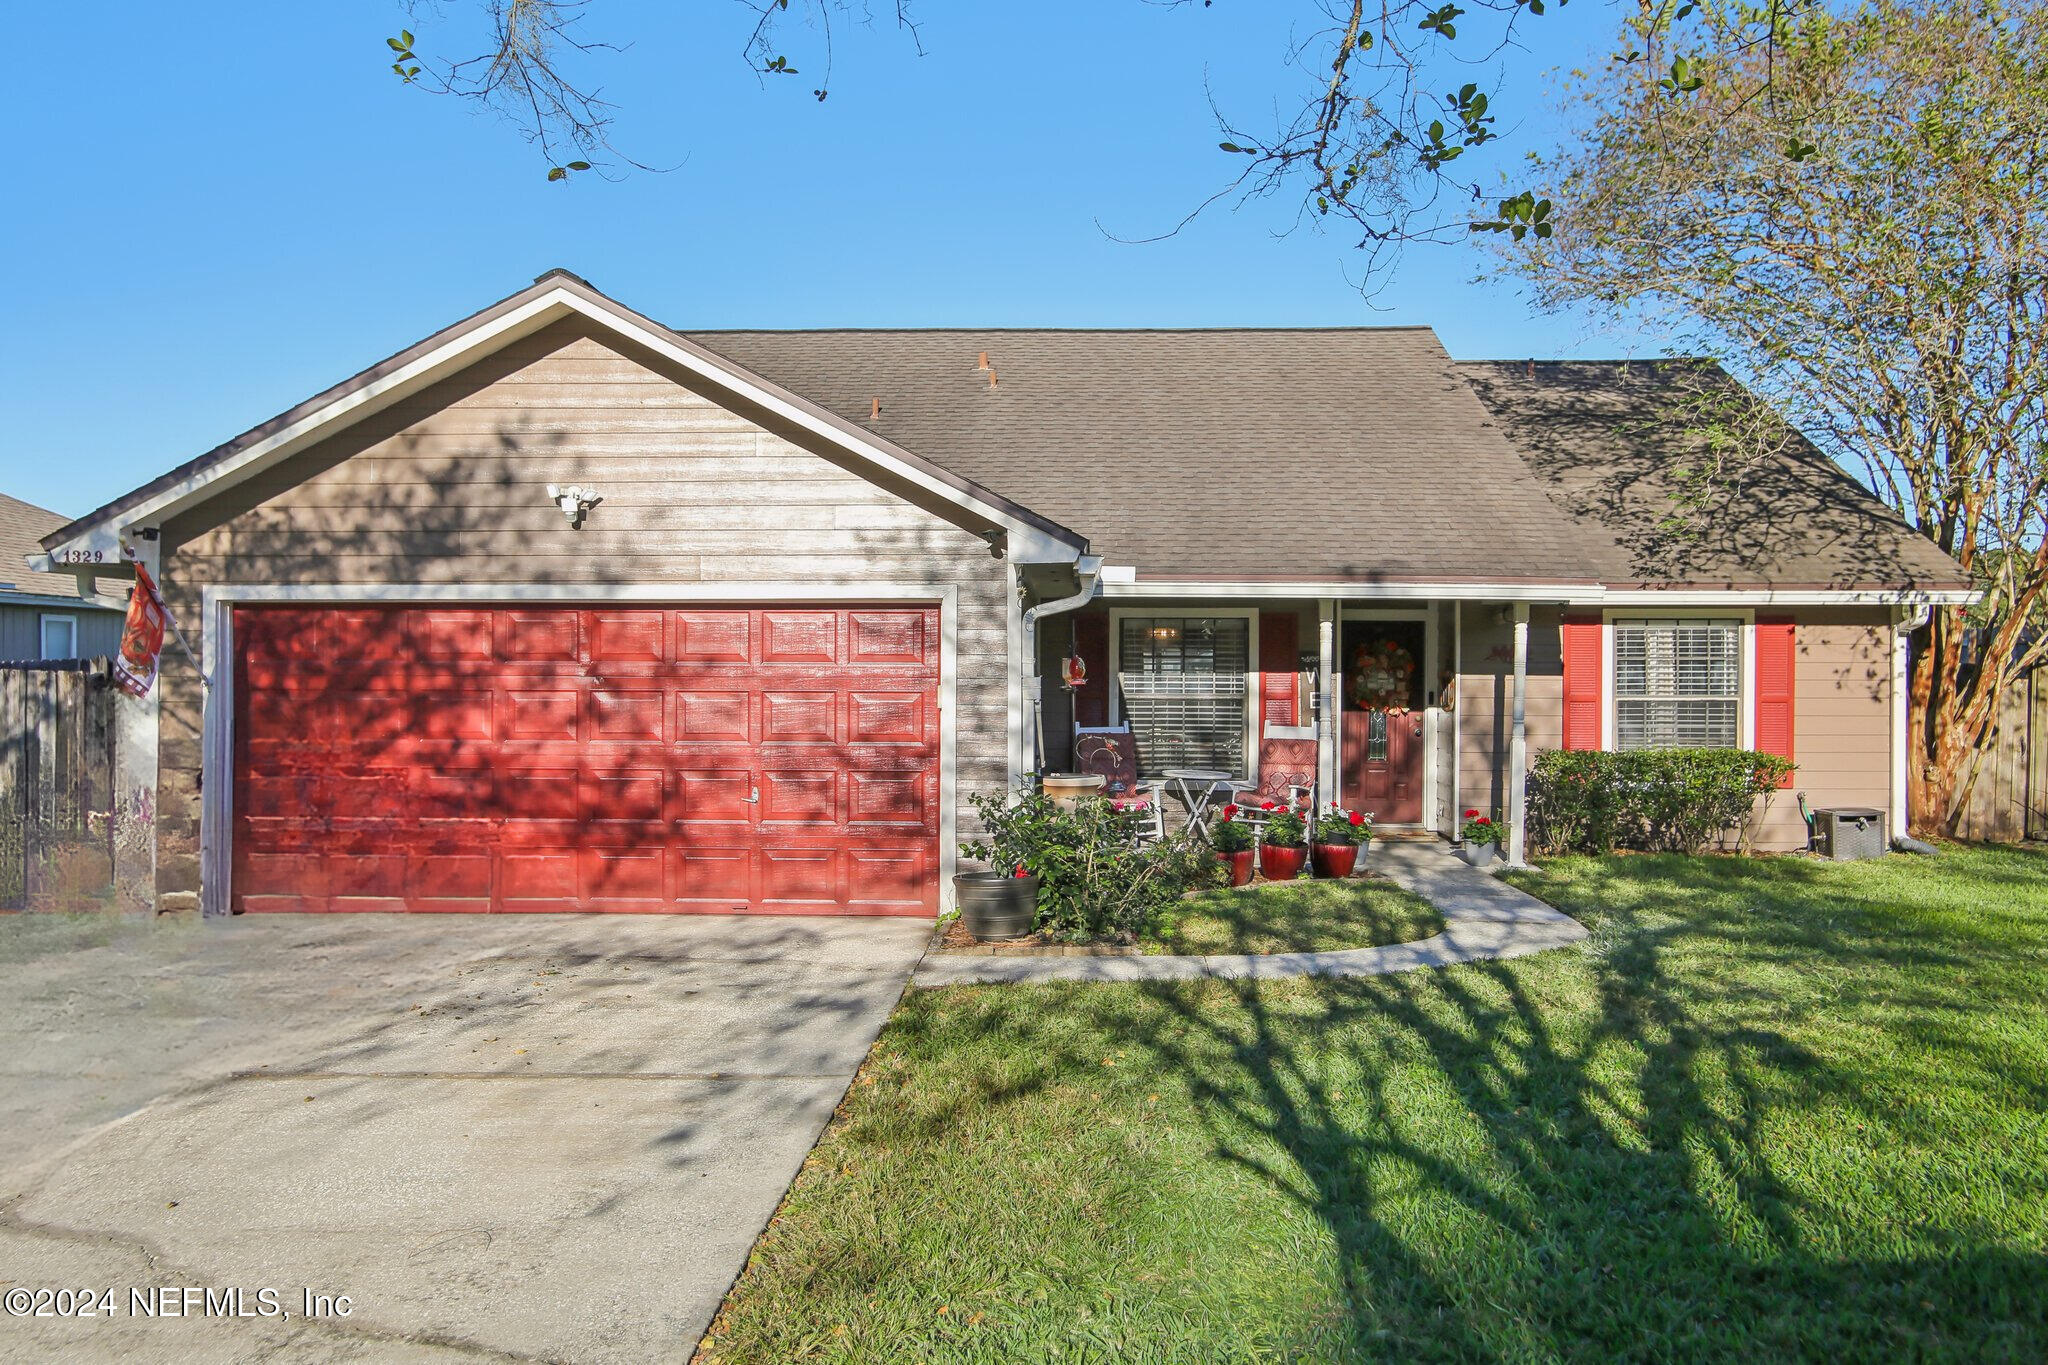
<point x="449" y="487"/>
<point x="1842" y="719"/>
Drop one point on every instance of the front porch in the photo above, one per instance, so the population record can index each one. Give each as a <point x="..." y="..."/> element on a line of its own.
<point x="1411" y="710"/>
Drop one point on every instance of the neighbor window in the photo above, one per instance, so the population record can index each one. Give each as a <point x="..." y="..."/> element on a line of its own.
<point x="60" y="637"/>
<point x="1184" y="684"/>
<point x="1677" y="684"/>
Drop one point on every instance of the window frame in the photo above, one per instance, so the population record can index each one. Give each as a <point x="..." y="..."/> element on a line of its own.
<point x="44" y="620"/>
<point x="1744" y="619"/>
<point x="1254" y="697"/>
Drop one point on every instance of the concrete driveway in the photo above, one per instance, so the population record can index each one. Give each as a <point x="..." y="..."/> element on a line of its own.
<point x="507" y="1137"/>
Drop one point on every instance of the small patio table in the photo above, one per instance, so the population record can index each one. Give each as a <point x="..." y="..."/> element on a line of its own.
<point x="1197" y="786"/>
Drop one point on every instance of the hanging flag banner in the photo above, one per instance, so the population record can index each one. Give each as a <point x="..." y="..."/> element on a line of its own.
<point x="142" y="638"/>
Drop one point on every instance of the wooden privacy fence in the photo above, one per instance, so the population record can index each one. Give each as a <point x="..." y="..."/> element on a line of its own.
<point x="57" y="799"/>
<point x="2010" y="800"/>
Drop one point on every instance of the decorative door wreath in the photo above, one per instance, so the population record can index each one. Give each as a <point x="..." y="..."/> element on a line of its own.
<point x="1383" y="678"/>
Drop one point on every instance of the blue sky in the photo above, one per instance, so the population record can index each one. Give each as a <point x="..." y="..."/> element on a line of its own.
<point x="217" y="212"/>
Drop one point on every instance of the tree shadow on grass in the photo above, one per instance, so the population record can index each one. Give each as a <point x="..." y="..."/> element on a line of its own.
<point x="1652" y="1148"/>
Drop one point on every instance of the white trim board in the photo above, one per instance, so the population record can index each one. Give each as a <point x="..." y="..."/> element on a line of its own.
<point x="1027" y="543"/>
<point x="1563" y="594"/>
<point x="1745" y="708"/>
<point x="217" y="740"/>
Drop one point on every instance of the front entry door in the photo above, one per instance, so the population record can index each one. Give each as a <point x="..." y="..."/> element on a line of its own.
<point x="1383" y="746"/>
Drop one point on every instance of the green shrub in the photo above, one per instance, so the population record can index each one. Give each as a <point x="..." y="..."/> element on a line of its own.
<point x="1094" y="880"/>
<point x="1664" y="800"/>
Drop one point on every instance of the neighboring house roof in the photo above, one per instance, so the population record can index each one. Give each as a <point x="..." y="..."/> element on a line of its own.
<point x="1328" y="454"/>
<point x="1623" y="445"/>
<point x="22" y="527"/>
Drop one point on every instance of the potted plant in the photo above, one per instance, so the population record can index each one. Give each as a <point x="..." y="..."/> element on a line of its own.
<point x="1233" y="840"/>
<point x="1480" y="838"/>
<point x="1337" y="835"/>
<point x="1002" y="902"/>
<point x="1282" y="847"/>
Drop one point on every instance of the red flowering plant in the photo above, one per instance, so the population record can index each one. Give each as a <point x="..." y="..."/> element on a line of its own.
<point x="1230" y="834"/>
<point x="1340" y="826"/>
<point x="1284" y="829"/>
<point x="1478" y="829"/>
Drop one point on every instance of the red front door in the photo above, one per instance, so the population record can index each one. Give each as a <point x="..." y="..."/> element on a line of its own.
<point x="778" y="760"/>
<point x="1382" y="751"/>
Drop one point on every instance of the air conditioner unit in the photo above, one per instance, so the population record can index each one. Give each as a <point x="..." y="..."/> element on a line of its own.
<point x="1845" y="833"/>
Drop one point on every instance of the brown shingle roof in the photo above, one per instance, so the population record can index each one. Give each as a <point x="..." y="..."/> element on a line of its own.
<point x="1316" y="454"/>
<point x="22" y="527"/>
<point x="1612" y="442"/>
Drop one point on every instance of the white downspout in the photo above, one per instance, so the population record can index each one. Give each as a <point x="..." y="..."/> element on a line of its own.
<point x="1088" y="569"/>
<point x="1518" y="745"/>
<point x="1905" y="620"/>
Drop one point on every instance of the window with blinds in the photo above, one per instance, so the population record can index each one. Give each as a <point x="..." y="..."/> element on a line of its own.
<point x="1677" y="684"/>
<point x="1183" y="680"/>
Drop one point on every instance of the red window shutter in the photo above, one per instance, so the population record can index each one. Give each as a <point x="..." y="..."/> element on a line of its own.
<point x="1279" y="644"/>
<point x="1776" y="655"/>
<point x="1583" y="665"/>
<point x="1091" y="642"/>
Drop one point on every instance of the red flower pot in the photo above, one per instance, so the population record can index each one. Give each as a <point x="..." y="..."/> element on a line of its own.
<point x="1335" y="860"/>
<point x="1238" y="865"/>
<point x="1281" y="864"/>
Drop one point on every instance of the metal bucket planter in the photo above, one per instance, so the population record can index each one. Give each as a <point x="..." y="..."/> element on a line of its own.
<point x="996" y="905"/>
<point x="1281" y="864"/>
<point x="1335" y="860"/>
<point x="1480" y="855"/>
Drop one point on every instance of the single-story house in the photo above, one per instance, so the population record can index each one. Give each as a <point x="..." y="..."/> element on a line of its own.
<point x="563" y="609"/>
<point x="49" y="615"/>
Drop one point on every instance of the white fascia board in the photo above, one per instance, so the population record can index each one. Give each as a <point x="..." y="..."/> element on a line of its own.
<point x="1027" y="543"/>
<point x="1569" y="594"/>
<point x="1790" y="597"/>
<point x="1352" y="592"/>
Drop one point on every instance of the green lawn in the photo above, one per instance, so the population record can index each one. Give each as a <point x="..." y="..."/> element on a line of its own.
<point x="1295" y="917"/>
<point x="1773" y="1109"/>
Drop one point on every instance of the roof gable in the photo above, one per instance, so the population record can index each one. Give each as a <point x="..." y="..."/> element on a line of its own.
<point x="552" y="297"/>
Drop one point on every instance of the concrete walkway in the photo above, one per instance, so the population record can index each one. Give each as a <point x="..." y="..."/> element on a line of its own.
<point x="1484" y="919"/>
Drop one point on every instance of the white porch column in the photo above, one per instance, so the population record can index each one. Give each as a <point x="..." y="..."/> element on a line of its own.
<point x="1327" y="788"/>
<point x="1518" y="744"/>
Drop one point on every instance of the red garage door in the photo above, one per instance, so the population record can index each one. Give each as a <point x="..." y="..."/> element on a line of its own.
<point x="780" y="760"/>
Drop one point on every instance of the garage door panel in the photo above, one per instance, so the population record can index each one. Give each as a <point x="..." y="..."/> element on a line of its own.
<point x="801" y="797"/>
<point x="617" y="636"/>
<point x="714" y="875"/>
<point x="888" y="878"/>
<point x="799" y="637"/>
<point x="779" y="759"/>
<point x="799" y="717"/>
<point x="801" y="878"/>
<point x="886" y="718"/>
<point x="714" y="637"/>
<point x="621" y="715"/>
<point x="713" y="717"/>
<point x="899" y="800"/>
<point x="877" y="637"/>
